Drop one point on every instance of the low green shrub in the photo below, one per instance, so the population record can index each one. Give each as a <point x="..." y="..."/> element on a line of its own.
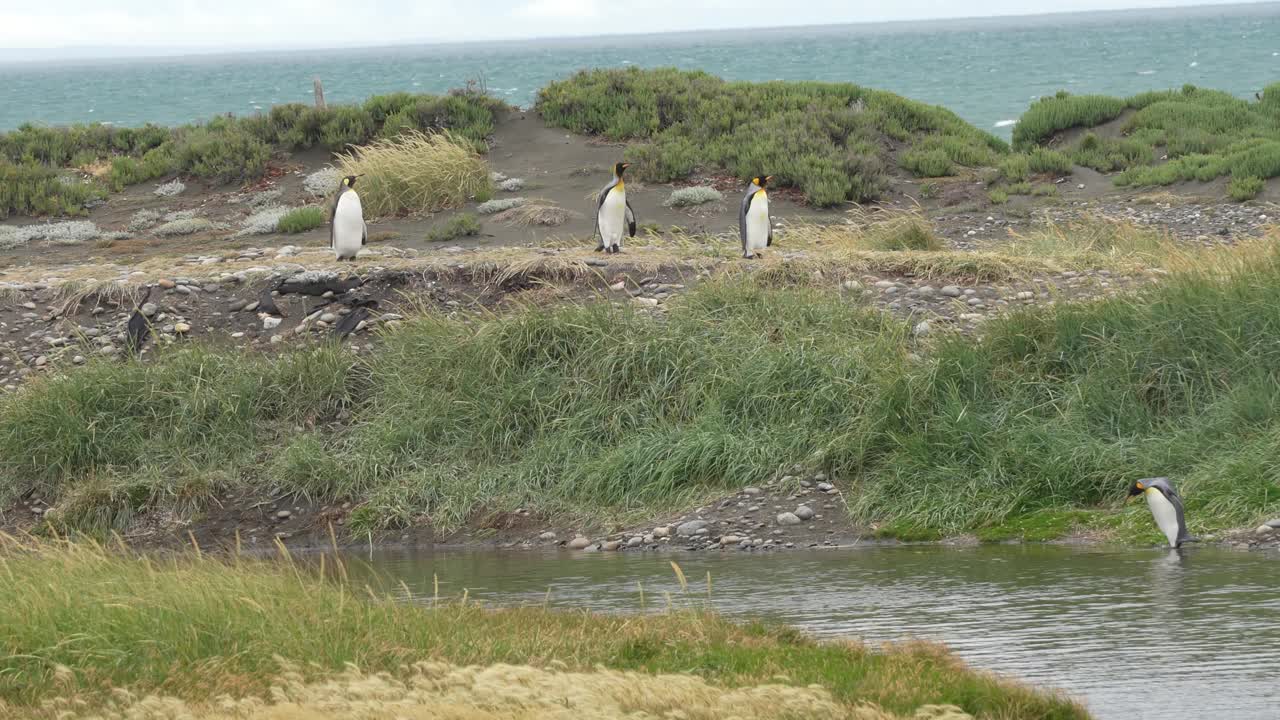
<point x="301" y="220"/>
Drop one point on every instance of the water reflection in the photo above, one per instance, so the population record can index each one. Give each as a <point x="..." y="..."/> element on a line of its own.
<point x="1094" y="622"/>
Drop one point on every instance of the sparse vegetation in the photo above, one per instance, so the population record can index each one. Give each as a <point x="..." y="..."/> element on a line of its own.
<point x="1245" y="188"/>
<point x="170" y="189"/>
<point x="691" y="196"/>
<point x="239" y="638"/>
<point x="323" y="182"/>
<point x="458" y="226"/>
<point x="415" y="173"/>
<point x="264" y="221"/>
<point x="998" y="196"/>
<point x="29" y="189"/>
<point x="822" y="138"/>
<point x="536" y="213"/>
<point x="491" y="207"/>
<point x="301" y="220"/>
<point x="183" y="226"/>
<point x="1051" y="115"/>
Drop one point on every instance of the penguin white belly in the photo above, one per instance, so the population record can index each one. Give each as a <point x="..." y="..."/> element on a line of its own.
<point x="1166" y="516"/>
<point x="348" y="225"/>
<point x="613" y="218"/>
<point x="758" y="223"/>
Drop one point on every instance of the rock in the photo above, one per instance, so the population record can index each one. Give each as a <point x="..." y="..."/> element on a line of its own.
<point x="951" y="291"/>
<point x="237" y="306"/>
<point x="1273" y="523"/>
<point x="851" y="285"/>
<point x="618" y="286"/>
<point x="702" y="531"/>
<point x="271" y="323"/>
<point x="662" y="531"/>
<point x="287" y="251"/>
<point x="1026" y="295"/>
<point x="183" y="290"/>
<point x="921" y="329"/>
<point x="28" y="305"/>
<point x="635" y="541"/>
<point x="167" y="284"/>
<point x="547" y="536"/>
<point x="647" y="302"/>
<point x="78" y="360"/>
<point x="578" y="543"/>
<point x="730" y="540"/>
<point x="42" y="361"/>
<point x="181" y="328"/>
<point x="610" y="546"/>
<point x="787" y="518"/>
<point x="329" y="318"/>
<point x="826" y="487"/>
<point x="804" y="512"/>
<point x="107" y="350"/>
<point x="149" y="309"/>
<point x="284" y="515"/>
<point x="751" y="491"/>
<point x="690" y="528"/>
<point x="251" y="306"/>
<point x="237" y="335"/>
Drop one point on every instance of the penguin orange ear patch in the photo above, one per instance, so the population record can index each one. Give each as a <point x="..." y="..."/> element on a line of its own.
<point x="1140" y="486"/>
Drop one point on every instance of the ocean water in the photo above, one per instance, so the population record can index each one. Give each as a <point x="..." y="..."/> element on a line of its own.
<point x="987" y="71"/>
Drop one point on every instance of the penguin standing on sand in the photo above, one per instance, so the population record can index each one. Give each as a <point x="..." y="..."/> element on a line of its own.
<point x="614" y="215"/>
<point x="347" y="231"/>
<point x="1166" y="508"/>
<point x="753" y="219"/>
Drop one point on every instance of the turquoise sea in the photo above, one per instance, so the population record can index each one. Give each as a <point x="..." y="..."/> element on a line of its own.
<point x="985" y="70"/>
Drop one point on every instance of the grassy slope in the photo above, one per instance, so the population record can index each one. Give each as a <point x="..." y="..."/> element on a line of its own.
<point x="830" y="140"/>
<point x="195" y="629"/>
<point x="589" y="409"/>
<point x="1205" y="134"/>
<point x="34" y="160"/>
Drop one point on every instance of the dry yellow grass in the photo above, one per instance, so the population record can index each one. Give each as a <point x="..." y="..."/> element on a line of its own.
<point x="415" y="173"/>
<point x="442" y="691"/>
<point x="536" y="213"/>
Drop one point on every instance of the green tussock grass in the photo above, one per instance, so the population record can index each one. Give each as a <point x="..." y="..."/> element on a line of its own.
<point x="197" y="628"/>
<point x="1204" y="134"/>
<point x="226" y="149"/>
<point x="825" y="139"/>
<point x="301" y="220"/>
<point x="458" y="226"/>
<point x="416" y="173"/>
<point x="1245" y="188"/>
<point x="30" y="189"/>
<point x="602" y="409"/>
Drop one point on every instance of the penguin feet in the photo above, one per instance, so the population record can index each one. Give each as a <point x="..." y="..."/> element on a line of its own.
<point x="749" y="256"/>
<point x="600" y="248"/>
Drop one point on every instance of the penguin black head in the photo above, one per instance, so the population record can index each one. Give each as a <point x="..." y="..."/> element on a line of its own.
<point x="1140" y="486"/>
<point x="350" y="180"/>
<point x="762" y="181"/>
<point x="619" y="168"/>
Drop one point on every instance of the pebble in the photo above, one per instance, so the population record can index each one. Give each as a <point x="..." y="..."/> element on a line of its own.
<point x="951" y="291"/>
<point x="635" y="541"/>
<point x="804" y="512"/>
<point x="167" y="284"/>
<point x="662" y="531"/>
<point x="251" y="306"/>
<point x="578" y="543"/>
<point x="647" y="302"/>
<point x="1264" y="530"/>
<point x="237" y="306"/>
<point x="787" y="518"/>
<point x="852" y="285"/>
<point x="826" y="487"/>
<point x="329" y="318"/>
<point x="181" y="328"/>
<point x="149" y="309"/>
<point x="284" y="515"/>
<point x="78" y="360"/>
<point x="1026" y="295"/>
<point x="691" y="527"/>
<point x="547" y="536"/>
<point x="730" y="540"/>
<point x="183" y="290"/>
<point x="42" y="361"/>
<point x="271" y="323"/>
<point x="922" y="328"/>
<point x="610" y="546"/>
<point x="751" y="491"/>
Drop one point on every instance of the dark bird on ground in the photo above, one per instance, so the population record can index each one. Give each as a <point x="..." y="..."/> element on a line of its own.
<point x="267" y="303"/>
<point x="351" y="321"/>
<point x="139" y="325"/>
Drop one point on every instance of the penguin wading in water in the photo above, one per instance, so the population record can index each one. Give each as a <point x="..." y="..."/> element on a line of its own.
<point x="1166" y="508"/>
<point x="347" y="231"/>
<point x="753" y="219"/>
<point x="614" y="215"/>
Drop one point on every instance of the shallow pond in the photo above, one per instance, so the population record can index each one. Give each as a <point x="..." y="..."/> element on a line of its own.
<point x="1134" y="633"/>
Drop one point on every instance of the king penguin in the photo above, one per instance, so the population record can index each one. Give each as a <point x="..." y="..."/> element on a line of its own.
<point x="347" y="231"/>
<point x="1166" y="508"/>
<point x="614" y="215"/>
<point x="753" y="219"/>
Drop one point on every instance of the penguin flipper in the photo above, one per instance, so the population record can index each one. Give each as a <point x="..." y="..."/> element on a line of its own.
<point x="364" y="234"/>
<point x="631" y="219"/>
<point x="769" y="241"/>
<point x="742" y="220"/>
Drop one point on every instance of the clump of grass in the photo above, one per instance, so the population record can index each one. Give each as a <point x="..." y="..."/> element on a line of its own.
<point x="929" y="190"/>
<point x="301" y="220"/>
<point x="1245" y="188"/>
<point x="323" y="182"/>
<point x="37" y="190"/>
<point x="416" y="173"/>
<point x="927" y="163"/>
<point x="170" y="189"/>
<point x="183" y="226"/>
<point x="825" y="139"/>
<point x="1053" y="162"/>
<point x="998" y="196"/>
<point x="491" y="207"/>
<point x="904" y="231"/>
<point x="541" y="214"/>
<point x="1051" y="115"/>
<point x="690" y="196"/>
<point x="213" y="634"/>
<point x="511" y="185"/>
<point x="70" y="232"/>
<point x="458" y="226"/>
<point x="264" y="221"/>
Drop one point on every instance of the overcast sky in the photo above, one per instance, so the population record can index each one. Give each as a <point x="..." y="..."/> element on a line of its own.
<point x="266" y="24"/>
